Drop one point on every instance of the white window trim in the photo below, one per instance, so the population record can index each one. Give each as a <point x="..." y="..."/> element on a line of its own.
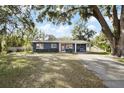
<point x="40" y="46"/>
<point x="53" y="45"/>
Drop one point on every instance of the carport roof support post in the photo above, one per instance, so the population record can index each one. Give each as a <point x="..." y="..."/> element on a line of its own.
<point x="59" y="47"/>
<point x="75" y="48"/>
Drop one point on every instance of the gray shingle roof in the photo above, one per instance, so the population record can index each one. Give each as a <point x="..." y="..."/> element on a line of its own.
<point x="67" y="41"/>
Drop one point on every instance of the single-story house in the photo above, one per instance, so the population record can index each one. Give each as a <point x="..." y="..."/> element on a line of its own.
<point x="60" y="46"/>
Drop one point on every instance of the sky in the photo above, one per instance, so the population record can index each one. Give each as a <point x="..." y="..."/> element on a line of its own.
<point x="65" y="30"/>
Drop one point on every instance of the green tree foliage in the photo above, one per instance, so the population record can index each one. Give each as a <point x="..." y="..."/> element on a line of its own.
<point x="81" y="32"/>
<point x="51" y="37"/>
<point x="61" y="13"/>
<point x="102" y="42"/>
<point x="16" y="26"/>
<point x="7" y="22"/>
<point x="40" y="35"/>
<point x="64" y="38"/>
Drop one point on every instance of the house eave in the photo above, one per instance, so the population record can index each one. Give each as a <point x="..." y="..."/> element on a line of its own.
<point x="72" y="41"/>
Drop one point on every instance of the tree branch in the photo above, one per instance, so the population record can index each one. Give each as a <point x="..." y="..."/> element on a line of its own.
<point x="116" y="22"/>
<point x="105" y="28"/>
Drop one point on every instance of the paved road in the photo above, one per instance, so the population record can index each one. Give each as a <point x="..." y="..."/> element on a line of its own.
<point x="112" y="73"/>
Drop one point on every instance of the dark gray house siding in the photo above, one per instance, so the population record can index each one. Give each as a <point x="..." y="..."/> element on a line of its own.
<point x="63" y="47"/>
<point x="47" y="47"/>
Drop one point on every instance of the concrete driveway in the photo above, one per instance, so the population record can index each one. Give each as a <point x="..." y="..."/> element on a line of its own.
<point x="111" y="72"/>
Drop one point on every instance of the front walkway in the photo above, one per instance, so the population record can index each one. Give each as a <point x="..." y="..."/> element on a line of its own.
<point x="112" y="73"/>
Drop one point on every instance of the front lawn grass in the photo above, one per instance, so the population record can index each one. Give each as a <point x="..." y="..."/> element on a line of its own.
<point x="120" y="60"/>
<point x="99" y="53"/>
<point x="45" y="70"/>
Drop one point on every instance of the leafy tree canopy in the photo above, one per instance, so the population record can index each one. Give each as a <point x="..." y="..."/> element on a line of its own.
<point x="81" y="32"/>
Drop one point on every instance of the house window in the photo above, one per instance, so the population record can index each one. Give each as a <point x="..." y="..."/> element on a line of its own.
<point x="53" y="45"/>
<point x="69" y="46"/>
<point x="39" y="46"/>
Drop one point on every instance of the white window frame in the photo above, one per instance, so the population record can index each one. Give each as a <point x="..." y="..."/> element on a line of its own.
<point x="69" y="46"/>
<point x="53" y="45"/>
<point x="39" y="46"/>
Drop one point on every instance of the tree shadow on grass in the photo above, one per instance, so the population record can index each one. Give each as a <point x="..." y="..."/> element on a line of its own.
<point x="99" y="53"/>
<point x="56" y="70"/>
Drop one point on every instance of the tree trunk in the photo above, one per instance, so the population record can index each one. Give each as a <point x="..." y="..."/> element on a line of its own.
<point x="106" y="30"/>
<point x="116" y="23"/>
<point x="118" y="44"/>
<point x="121" y="42"/>
<point x="115" y="50"/>
<point x="0" y="43"/>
